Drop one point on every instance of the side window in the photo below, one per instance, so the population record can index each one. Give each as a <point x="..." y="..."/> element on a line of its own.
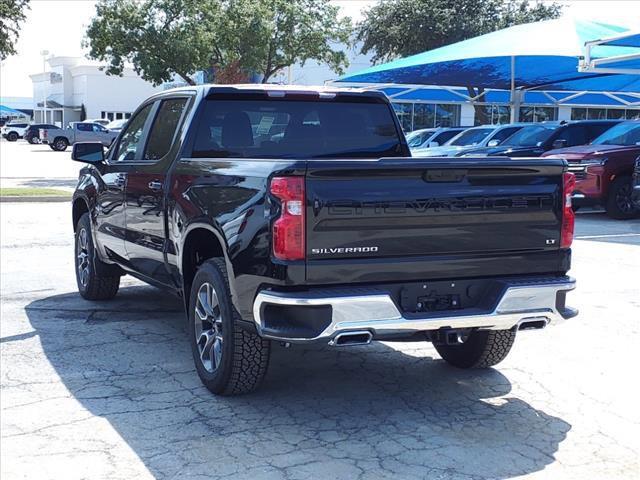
<point x="575" y="135"/>
<point x="597" y="130"/>
<point x="84" y="127"/>
<point x="98" y="128"/>
<point x="505" y="133"/>
<point x="131" y="140"/>
<point x="164" y="128"/>
<point x="446" y="136"/>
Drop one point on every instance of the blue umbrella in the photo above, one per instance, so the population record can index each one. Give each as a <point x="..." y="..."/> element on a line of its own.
<point x="535" y="55"/>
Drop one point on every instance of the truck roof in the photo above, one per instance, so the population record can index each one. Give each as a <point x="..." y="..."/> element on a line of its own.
<point x="272" y="89"/>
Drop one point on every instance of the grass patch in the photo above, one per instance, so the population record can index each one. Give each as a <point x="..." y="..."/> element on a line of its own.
<point x="33" y="192"/>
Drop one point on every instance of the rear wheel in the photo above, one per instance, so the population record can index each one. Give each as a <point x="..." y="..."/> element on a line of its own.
<point x="60" y="144"/>
<point x="12" y="136"/>
<point x="228" y="359"/>
<point x="620" y="202"/>
<point x="480" y="349"/>
<point x="92" y="284"/>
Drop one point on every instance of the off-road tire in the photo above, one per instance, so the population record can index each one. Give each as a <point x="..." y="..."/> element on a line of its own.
<point x="482" y="349"/>
<point x="60" y="144"/>
<point x="621" y="187"/>
<point x="12" y="136"/>
<point x="97" y="286"/>
<point x="245" y="355"/>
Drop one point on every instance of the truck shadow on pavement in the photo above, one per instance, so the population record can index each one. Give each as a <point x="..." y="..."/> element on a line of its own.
<point x="332" y="412"/>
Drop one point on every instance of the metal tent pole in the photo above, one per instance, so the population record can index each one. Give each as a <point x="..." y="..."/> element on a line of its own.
<point x="515" y="95"/>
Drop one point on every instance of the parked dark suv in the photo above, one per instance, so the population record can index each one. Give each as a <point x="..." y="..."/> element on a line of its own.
<point x="32" y="133"/>
<point x="534" y="140"/>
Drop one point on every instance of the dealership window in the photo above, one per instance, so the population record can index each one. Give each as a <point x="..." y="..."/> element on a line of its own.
<point x="597" y="113"/>
<point x="492" y="114"/>
<point x="115" y="115"/>
<point x="538" y="114"/>
<point x="404" y="111"/>
<point x="415" y="116"/>
<point x="632" y="114"/>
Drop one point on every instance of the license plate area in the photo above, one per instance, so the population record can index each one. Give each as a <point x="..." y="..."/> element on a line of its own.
<point x="447" y="296"/>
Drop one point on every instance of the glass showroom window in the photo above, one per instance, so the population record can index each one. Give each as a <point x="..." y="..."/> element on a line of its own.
<point x="415" y="116"/>
<point x="447" y="115"/>
<point x="583" y="113"/>
<point x="632" y="114"/>
<point x="404" y="111"/>
<point x="538" y="114"/>
<point x="424" y="116"/>
<point x="492" y="114"/>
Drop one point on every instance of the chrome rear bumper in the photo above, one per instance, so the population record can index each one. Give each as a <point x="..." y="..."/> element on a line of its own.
<point x="534" y="303"/>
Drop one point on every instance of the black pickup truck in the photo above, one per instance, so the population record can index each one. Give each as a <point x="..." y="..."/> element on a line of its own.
<point x="296" y="215"/>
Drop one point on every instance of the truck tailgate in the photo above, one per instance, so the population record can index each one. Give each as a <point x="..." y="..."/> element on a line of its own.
<point x="415" y="218"/>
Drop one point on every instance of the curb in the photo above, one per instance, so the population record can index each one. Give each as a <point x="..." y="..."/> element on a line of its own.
<point x="35" y="199"/>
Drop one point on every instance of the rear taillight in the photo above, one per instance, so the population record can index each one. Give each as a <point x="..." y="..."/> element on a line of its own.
<point x="568" y="217"/>
<point x="288" y="229"/>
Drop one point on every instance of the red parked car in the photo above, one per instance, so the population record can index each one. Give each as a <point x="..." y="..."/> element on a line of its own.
<point x="603" y="170"/>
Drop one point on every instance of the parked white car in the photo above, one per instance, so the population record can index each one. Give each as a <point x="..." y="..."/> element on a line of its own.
<point x="483" y="136"/>
<point x="432" y="137"/>
<point x="14" y="131"/>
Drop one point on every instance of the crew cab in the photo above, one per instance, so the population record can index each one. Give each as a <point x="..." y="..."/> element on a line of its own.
<point x="59" y="139"/>
<point x="604" y="168"/>
<point x="295" y="214"/>
<point x="534" y="140"/>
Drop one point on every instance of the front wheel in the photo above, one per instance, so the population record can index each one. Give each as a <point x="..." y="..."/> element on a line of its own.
<point x="12" y="137"/>
<point x="480" y="349"/>
<point x="620" y="203"/>
<point x="60" y="144"/>
<point x="92" y="284"/>
<point x="228" y="359"/>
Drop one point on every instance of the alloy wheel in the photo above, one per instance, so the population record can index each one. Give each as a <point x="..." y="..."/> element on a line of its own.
<point x="83" y="257"/>
<point x="208" y="327"/>
<point x="623" y="198"/>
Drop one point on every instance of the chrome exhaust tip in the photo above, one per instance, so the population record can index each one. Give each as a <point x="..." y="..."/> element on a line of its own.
<point x="537" y="323"/>
<point x="348" y="339"/>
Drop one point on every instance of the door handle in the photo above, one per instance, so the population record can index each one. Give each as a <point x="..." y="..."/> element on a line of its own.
<point x="120" y="181"/>
<point x="155" y="185"/>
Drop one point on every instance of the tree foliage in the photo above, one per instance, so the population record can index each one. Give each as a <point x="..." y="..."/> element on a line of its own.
<point x="12" y="14"/>
<point x="399" y="28"/>
<point x="235" y="38"/>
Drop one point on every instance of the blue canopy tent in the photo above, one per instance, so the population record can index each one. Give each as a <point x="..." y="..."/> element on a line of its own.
<point x="541" y="55"/>
<point x="6" y="112"/>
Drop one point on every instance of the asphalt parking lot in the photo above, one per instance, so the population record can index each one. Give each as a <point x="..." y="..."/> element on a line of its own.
<point x="108" y="390"/>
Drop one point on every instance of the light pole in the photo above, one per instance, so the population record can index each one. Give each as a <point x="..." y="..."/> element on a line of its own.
<point x="44" y="54"/>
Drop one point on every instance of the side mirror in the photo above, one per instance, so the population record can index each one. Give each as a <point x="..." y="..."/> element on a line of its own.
<point x="433" y="144"/>
<point x="559" y="143"/>
<point x="493" y="143"/>
<point x="88" y="152"/>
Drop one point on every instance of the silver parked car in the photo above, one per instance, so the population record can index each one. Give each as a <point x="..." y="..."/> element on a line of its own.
<point x="59" y="139"/>
<point x="483" y="136"/>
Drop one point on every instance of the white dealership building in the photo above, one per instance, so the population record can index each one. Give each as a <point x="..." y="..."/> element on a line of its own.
<point x="73" y="84"/>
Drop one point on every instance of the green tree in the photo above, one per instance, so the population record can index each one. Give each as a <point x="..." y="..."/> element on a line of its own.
<point x="399" y="28"/>
<point x="12" y="14"/>
<point x="163" y="38"/>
